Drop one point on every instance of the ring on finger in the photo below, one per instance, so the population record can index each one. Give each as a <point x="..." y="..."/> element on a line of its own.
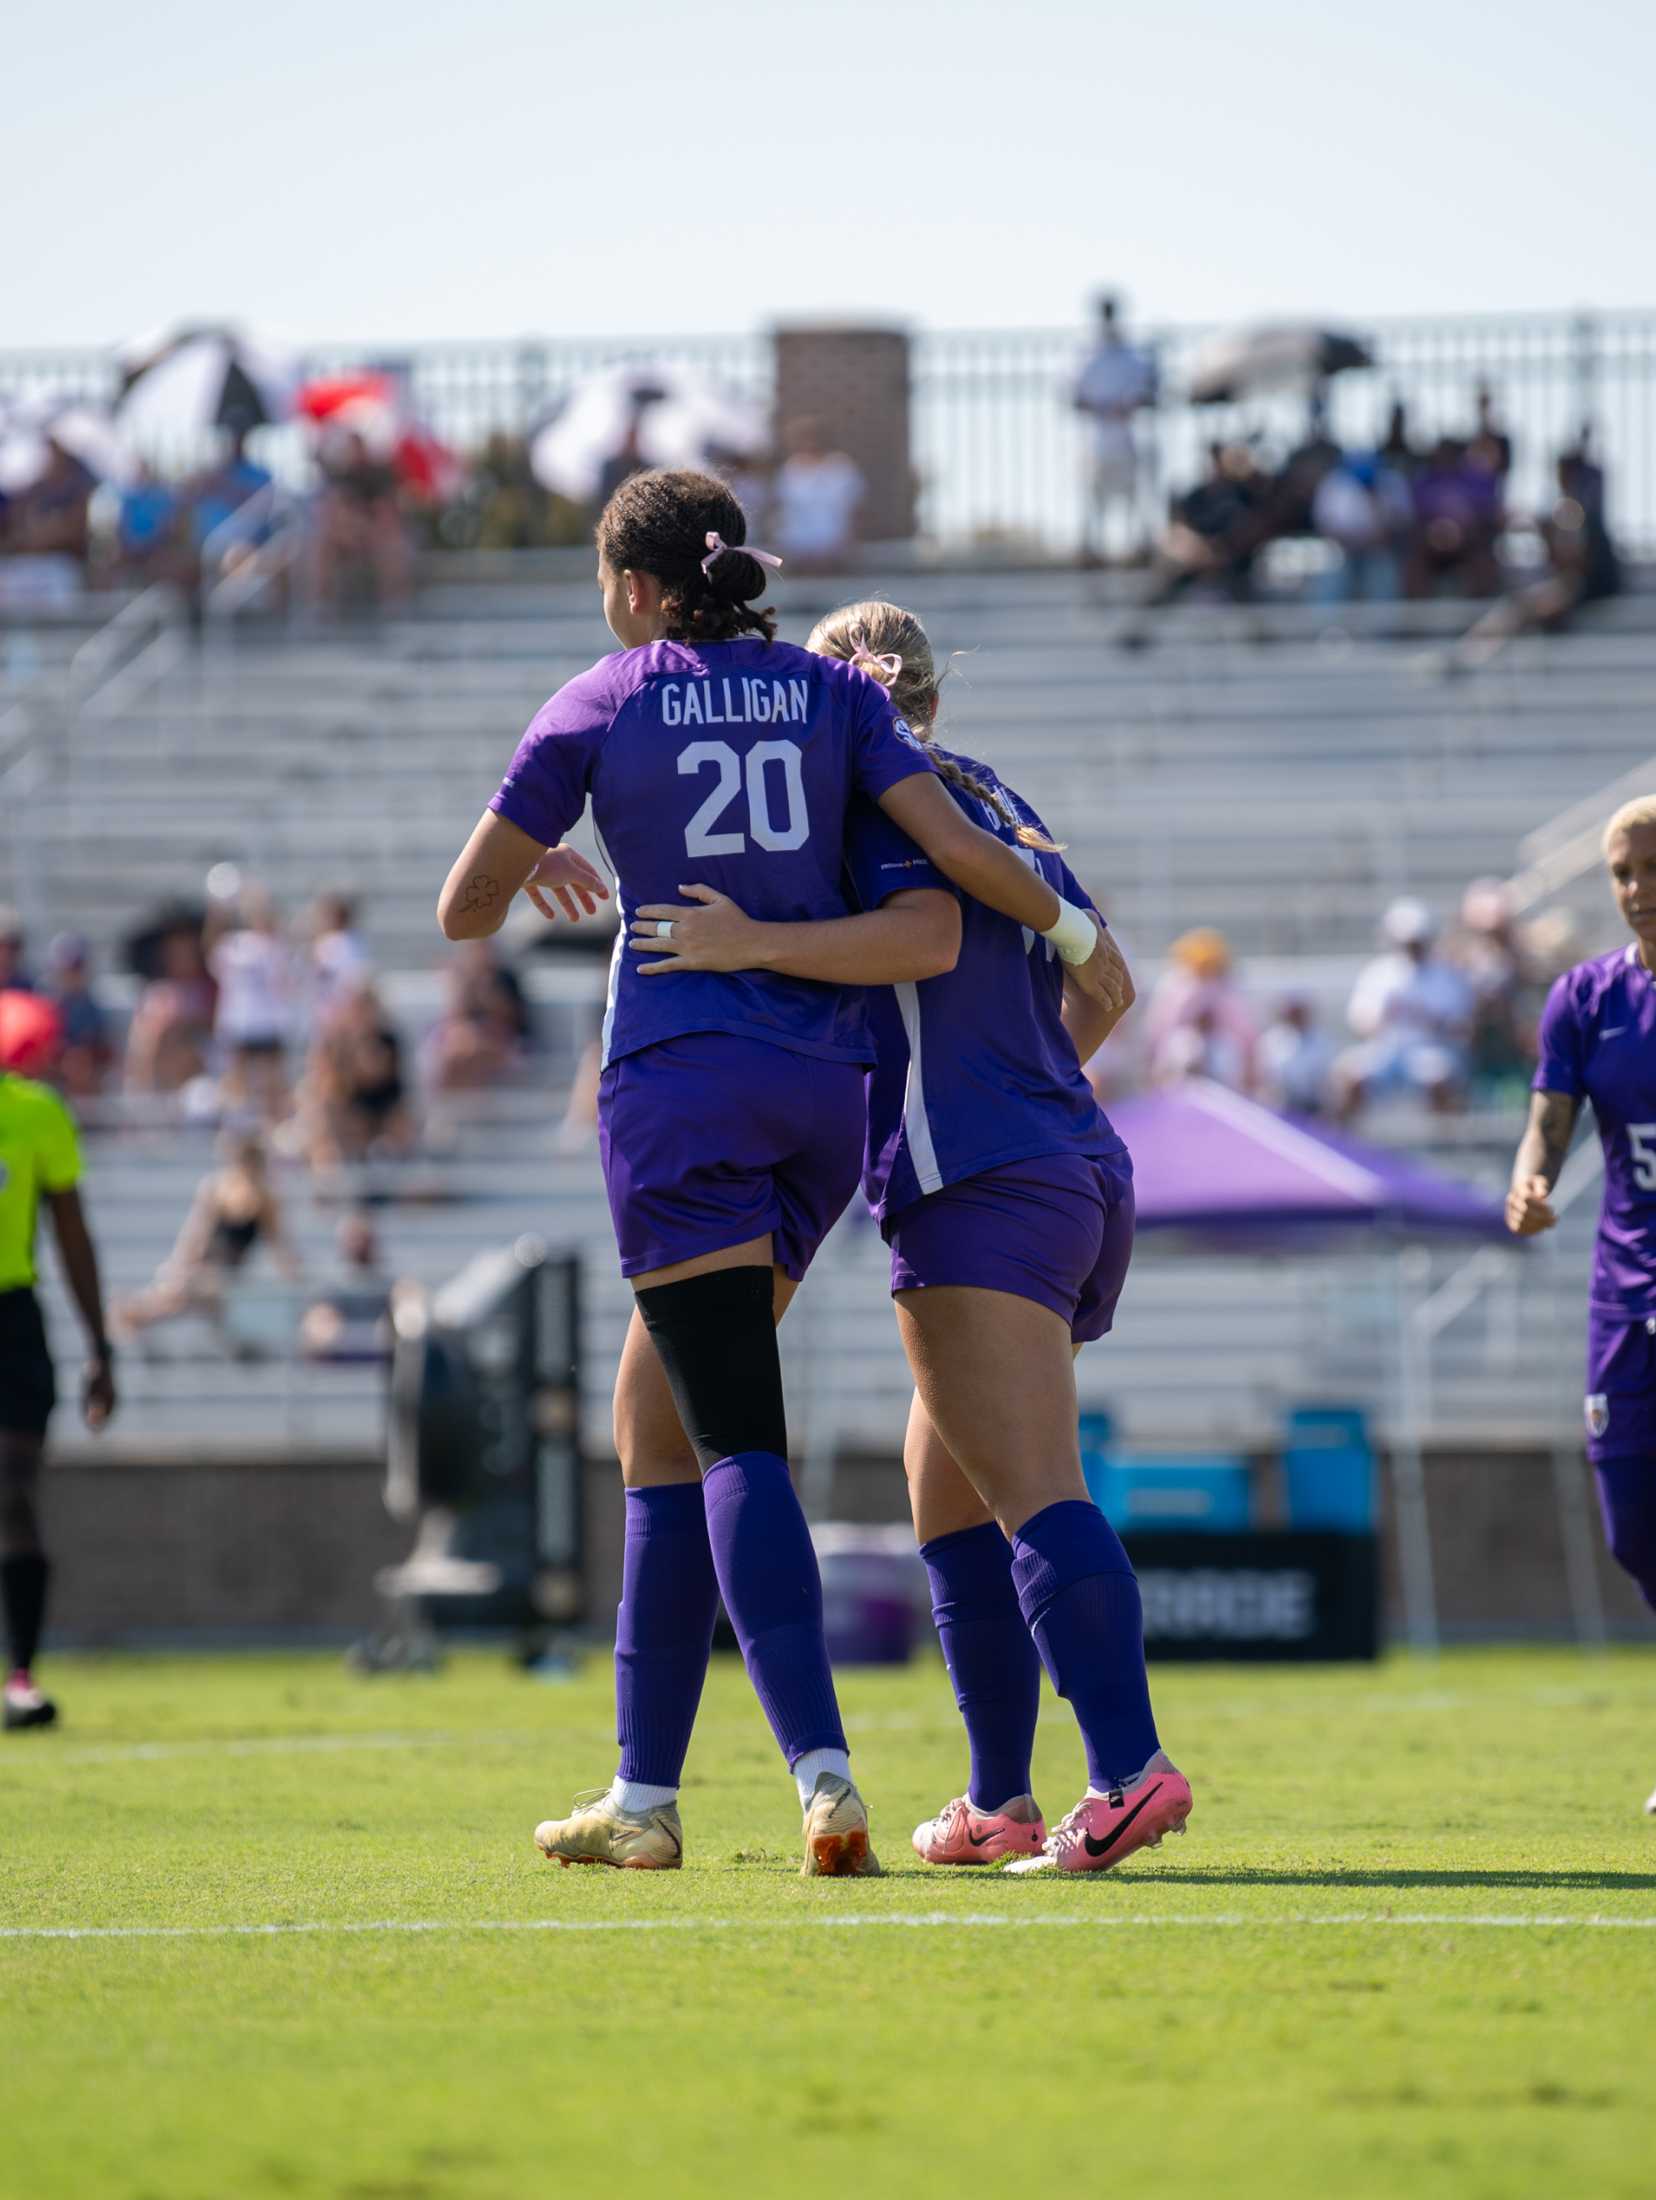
<point x="664" y="929"/>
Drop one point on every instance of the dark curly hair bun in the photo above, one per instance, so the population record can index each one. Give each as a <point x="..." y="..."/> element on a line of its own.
<point x="658" y="523"/>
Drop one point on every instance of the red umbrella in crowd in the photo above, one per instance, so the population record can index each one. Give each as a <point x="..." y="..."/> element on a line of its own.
<point x="31" y="1033"/>
<point x="371" y="405"/>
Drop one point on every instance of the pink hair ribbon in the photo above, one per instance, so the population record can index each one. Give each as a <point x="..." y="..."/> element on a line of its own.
<point x="717" y="547"/>
<point x="862" y="655"/>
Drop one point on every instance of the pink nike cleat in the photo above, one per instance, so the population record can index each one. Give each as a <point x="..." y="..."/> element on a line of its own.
<point x="1102" y="1829"/>
<point x="963" y="1834"/>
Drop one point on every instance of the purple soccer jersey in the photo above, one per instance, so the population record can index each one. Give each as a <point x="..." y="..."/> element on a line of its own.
<point x="1598" y="1043"/>
<point x="731" y="765"/>
<point x="973" y="1069"/>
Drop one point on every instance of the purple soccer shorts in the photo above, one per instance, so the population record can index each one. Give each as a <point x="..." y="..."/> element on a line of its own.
<point x="1058" y="1230"/>
<point x="714" y="1138"/>
<point x="1621" y="1387"/>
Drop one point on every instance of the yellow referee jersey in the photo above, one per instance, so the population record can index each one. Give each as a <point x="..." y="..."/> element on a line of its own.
<point x="39" y="1152"/>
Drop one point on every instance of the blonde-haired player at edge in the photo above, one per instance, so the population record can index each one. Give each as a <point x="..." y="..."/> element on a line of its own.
<point x="39" y="1164"/>
<point x="1598" y="1043"/>
<point x="1007" y="1201"/>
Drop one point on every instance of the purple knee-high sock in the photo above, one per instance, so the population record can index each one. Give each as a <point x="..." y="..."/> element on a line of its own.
<point x="1081" y="1602"/>
<point x="772" y="1590"/>
<point x="1627" y="1499"/>
<point x="663" y="1630"/>
<point x="990" y="1656"/>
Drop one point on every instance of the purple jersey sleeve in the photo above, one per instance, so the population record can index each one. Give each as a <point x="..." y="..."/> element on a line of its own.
<point x="884" y="751"/>
<point x="1561" y="1067"/>
<point x="545" y="787"/>
<point x="882" y="860"/>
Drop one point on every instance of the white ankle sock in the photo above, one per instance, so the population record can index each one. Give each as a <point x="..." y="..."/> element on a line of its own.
<point x="638" y="1795"/>
<point x="811" y="1767"/>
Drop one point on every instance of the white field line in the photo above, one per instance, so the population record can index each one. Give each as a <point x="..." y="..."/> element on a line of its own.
<point x="918" y="1920"/>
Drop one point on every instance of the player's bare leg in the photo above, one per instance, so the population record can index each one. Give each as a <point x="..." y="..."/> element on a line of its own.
<point x="995" y="1374"/>
<point x="991" y="1659"/>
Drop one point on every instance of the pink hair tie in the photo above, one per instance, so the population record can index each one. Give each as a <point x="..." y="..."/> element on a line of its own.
<point x="717" y="546"/>
<point x="862" y="655"/>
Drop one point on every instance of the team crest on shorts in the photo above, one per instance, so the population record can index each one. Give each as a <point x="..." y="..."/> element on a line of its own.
<point x="1598" y="1413"/>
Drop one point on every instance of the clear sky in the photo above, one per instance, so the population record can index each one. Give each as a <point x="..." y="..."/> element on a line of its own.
<point x="369" y="172"/>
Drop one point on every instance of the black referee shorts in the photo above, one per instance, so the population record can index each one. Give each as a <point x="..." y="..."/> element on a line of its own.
<point x="28" y="1387"/>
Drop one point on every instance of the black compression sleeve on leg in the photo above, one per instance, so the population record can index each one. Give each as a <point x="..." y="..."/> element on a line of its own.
<point x="716" y="1335"/>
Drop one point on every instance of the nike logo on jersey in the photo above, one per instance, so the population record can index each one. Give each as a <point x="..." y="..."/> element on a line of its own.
<point x="1102" y="1848"/>
<point x="1612" y="1031"/>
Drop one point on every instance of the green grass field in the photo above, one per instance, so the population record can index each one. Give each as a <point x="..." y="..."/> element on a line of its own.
<point x="1407" y="1947"/>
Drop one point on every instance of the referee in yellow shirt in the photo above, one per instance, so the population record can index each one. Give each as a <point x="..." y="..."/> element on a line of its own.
<point x="39" y="1161"/>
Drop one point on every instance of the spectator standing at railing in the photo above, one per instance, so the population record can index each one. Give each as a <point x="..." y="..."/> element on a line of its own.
<point x="235" y="1210"/>
<point x="817" y="494"/>
<point x="1117" y="380"/>
<point x="1411" y="1011"/>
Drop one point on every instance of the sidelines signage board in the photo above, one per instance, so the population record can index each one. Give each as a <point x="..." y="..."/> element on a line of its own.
<point x="1260" y="1596"/>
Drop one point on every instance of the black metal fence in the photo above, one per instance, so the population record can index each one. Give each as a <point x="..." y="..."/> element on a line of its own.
<point x="1000" y="452"/>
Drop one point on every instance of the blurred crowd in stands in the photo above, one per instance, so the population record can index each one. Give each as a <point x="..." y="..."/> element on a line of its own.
<point x="1444" y="1021"/>
<point x="1413" y="517"/>
<point x="234" y="1018"/>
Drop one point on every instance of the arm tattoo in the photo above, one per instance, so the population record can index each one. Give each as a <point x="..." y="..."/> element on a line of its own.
<point x="482" y="893"/>
<point x="1546" y="1139"/>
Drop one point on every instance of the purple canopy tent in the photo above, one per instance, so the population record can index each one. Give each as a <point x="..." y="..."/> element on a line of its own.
<point x="1208" y="1161"/>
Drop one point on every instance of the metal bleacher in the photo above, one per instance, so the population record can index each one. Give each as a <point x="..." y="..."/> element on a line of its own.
<point x="1279" y="777"/>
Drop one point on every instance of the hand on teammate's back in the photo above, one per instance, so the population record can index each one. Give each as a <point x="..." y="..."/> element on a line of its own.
<point x="719" y="935"/>
<point x="1528" y="1207"/>
<point x="566" y="873"/>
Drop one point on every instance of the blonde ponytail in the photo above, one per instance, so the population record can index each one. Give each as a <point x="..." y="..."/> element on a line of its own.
<point x="892" y="647"/>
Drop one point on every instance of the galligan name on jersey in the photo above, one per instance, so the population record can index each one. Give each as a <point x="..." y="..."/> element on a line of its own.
<point x="744" y="700"/>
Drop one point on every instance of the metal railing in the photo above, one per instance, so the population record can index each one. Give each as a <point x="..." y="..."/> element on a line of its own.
<point x="1001" y="454"/>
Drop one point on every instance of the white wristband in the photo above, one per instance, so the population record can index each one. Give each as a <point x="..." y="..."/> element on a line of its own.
<point x="1074" y="935"/>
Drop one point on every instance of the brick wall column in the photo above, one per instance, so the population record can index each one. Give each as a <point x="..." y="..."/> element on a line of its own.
<point x="856" y="382"/>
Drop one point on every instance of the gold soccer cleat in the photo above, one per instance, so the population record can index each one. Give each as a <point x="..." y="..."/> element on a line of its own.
<point x="836" y="1833"/>
<point x="599" y="1831"/>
